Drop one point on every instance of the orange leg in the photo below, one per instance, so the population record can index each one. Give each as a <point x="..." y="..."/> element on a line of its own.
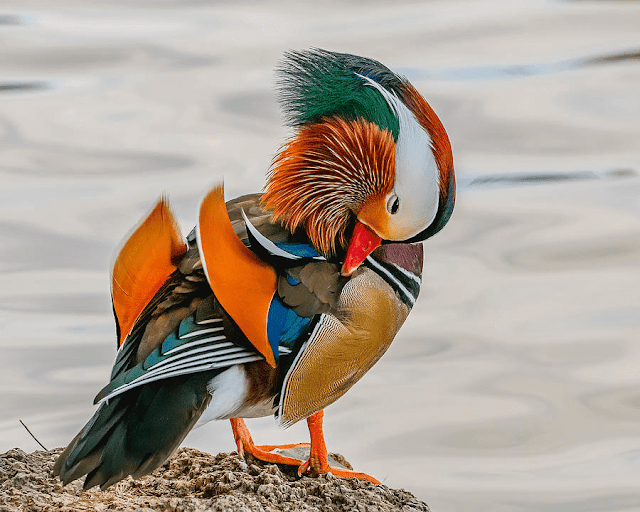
<point x="318" y="462"/>
<point x="245" y="444"/>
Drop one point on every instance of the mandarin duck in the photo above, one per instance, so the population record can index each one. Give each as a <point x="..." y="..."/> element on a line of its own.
<point x="276" y="303"/>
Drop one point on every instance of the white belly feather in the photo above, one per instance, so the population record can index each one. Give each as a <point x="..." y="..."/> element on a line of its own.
<point x="229" y="391"/>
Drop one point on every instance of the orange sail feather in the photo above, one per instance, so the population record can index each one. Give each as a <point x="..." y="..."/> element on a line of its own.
<point x="146" y="260"/>
<point x="242" y="282"/>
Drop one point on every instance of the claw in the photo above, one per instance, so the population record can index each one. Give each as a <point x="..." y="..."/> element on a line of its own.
<point x="304" y="467"/>
<point x="339" y="472"/>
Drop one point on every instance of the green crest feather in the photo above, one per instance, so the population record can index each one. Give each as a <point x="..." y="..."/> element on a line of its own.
<point x="315" y="83"/>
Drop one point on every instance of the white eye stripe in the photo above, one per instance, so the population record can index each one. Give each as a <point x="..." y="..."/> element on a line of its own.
<point x="417" y="177"/>
<point x="392" y="99"/>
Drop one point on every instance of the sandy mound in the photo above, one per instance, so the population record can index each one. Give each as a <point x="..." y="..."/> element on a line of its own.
<point x="193" y="481"/>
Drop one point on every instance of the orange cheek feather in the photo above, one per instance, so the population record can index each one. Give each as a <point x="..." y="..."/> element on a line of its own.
<point x="374" y="215"/>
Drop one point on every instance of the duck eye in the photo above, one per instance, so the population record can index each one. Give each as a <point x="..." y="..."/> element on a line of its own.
<point x="393" y="204"/>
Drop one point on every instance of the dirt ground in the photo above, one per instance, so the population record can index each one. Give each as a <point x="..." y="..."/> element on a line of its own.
<point x="194" y="481"/>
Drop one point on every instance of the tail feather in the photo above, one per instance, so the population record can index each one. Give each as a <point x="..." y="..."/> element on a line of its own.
<point x="85" y="451"/>
<point x="83" y="467"/>
<point x="100" y="426"/>
<point x="136" y="432"/>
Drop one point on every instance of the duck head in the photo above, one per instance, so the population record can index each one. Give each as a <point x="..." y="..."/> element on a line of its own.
<point x="369" y="161"/>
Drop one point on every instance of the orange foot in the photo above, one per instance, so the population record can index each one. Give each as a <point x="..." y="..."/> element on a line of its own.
<point x="245" y="444"/>
<point x="318" y="462"/>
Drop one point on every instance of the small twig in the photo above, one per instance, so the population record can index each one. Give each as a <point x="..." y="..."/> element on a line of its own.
<point x="34" y="437"/>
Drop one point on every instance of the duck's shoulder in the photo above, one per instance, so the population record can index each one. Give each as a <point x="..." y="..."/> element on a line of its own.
<point x="308" y="283"/>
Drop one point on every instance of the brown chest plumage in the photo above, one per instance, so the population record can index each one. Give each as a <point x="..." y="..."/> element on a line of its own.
<point x="343" y="347"/>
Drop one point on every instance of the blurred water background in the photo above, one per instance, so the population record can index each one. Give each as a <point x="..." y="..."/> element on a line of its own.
<point x="514" y="385"/>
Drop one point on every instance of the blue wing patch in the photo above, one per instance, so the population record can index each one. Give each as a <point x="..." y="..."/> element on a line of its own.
<point x="300" y="250"/>
<point x="284" y="326"/>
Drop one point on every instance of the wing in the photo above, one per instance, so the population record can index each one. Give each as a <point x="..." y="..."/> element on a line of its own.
<point x="154" y="290"/>
<point x="319" y="322"/>
<point x="172" y="345"/>
<point x="176" y="299"/>
<point x="308" y="284"/>
<point x="175" y="333"/>
<point x="205" y="340"/>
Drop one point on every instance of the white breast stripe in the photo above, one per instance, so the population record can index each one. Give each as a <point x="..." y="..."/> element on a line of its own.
<point x="410" y="275"/>
<point x="321" y="321"/>
<point x="406" y="292"/>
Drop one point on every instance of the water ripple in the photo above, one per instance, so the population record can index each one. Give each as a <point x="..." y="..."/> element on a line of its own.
<point x="10" y="20"/>
<point x="23" y="86"/>
<point x="501" y="72"/>
<point x="60" y="304"/>
<point x="518" y="179"/>
<point x="24" y="247"/>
